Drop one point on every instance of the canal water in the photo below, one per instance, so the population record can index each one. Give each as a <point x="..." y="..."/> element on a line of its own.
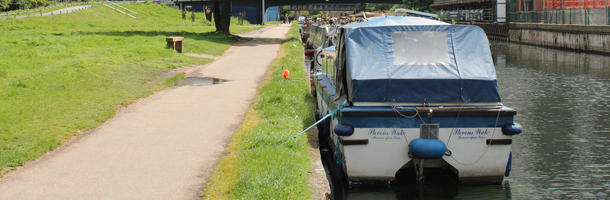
<point x="562" y="101"/>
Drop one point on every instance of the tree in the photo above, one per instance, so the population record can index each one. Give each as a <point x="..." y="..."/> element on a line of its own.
<point x="419" y="5"/>
<point x="4" y="4"/>
<point x="378" y="6"/>
<point x="222" y="18"/>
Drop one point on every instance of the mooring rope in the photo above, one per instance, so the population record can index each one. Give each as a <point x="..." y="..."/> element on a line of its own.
<point x="331" y="114"/>
<point x="486" y="147"/>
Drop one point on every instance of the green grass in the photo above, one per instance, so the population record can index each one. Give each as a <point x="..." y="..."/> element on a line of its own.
<point x="174" y="80"/>
<point x="65" y="74"/>
<point x="272" y="22"/>
<point x="257" y="166"/>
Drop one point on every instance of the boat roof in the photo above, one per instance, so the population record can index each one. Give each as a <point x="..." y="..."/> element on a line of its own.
<point x="394" y="21"/>
<point x="402" y="11"/>
<point x="413" y="59"/>
<point x="423" y="14"/>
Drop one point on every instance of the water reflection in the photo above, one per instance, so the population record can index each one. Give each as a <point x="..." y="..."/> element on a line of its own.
<point x="436" y="188"/>
<point x="562" y="99"/>
<point x="200" y="81"/>
<point x="550" y="61"/>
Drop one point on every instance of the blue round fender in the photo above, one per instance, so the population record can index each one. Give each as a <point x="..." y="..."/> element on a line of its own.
<point x="344" y="129"/>
<point x="512" y="129"/>
<point x="427" y="148"/>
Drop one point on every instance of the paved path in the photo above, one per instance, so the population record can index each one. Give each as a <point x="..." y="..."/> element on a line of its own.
<point x="162" y="147"/>
<point x="66" y="10"/>
<point x="56" y="12"/>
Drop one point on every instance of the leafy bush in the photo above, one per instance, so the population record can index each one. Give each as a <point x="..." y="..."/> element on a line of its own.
<point x="5" y="4"/>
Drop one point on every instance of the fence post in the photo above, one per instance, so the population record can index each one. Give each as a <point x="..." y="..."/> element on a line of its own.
<point x="587" y="16"/>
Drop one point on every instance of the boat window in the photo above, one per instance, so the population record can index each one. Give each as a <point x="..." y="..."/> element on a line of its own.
<point x="328" y="65"/>
<point x="324" y="66"/>
<point x="331" y="61"/>
<point x="340" y="66"/>
<point x="420" y="48"/>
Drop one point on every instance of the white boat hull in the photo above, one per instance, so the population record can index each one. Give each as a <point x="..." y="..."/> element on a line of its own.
<point x="387" y="151"/>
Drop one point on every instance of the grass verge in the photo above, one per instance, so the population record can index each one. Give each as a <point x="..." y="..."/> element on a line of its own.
<point x="174" y="80"/>
<point x="272" y="22"/>
<point x="65" y="74"/>
<point x="257" y="166"/>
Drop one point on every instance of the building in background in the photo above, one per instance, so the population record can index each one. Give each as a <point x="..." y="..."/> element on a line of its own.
<point x="594" y="12"/>
<point x="471" y="10"/>
<point x="272" y="14"/>
<point x="251" y="9"/>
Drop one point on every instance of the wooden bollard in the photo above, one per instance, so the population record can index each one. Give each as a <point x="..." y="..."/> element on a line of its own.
<point x="175" y="43"/>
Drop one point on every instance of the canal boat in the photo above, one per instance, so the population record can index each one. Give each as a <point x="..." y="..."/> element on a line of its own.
<point x="408" y="94"/>
<point x="321" y="36"/>
<point x="304" y="29"/>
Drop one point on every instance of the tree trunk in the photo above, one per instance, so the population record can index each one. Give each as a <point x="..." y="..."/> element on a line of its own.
<point x="226" y="16"/>
<point x="222" y="18"/>
<point x="216" y="11"/>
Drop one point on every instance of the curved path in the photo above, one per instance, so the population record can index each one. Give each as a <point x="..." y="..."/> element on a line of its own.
<point x="162" y="147"/>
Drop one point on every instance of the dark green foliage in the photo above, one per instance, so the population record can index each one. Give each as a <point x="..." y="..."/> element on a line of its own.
<point x="4" y="4"/>
<point x="419" y="5"/>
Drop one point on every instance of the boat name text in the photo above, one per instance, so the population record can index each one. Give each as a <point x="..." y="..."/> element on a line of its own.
<point x="478" y="133"/>
<point x="394" y="134"/>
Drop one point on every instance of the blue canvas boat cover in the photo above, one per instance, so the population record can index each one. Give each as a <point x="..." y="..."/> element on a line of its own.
<point x="412" y="59"/>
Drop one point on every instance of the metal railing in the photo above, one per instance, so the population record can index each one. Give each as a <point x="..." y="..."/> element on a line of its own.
<point x="126" y="11"/>
<point x="593" y="12"/>
<point x="586" y="16"/>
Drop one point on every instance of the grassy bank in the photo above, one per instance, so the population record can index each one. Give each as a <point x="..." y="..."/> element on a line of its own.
<point x="257" y="166"/>
<point x="65" y="74"/>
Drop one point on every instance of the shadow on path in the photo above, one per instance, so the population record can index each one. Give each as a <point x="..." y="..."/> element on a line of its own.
<point x="208" y="36"/>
